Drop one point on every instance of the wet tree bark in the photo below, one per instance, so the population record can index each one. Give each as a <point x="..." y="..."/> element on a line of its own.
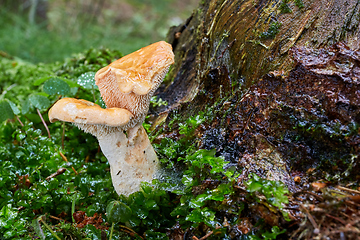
<point x="252" y="38"/>
<point x="282" y="80"/>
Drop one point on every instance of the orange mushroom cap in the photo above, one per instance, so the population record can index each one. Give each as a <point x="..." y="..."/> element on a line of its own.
<point x="85" y="112"/>
<point x="137" y="73"/>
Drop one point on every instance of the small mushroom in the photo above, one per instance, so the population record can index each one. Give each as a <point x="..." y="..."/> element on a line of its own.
<point x="126" y="87"/>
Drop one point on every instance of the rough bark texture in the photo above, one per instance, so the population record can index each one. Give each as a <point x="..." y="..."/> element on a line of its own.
<point x="285" y="85"/>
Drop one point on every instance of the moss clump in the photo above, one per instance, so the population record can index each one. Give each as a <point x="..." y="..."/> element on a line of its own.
<point x="284" y="7"/>
<point x="299" y="3"/>
<point x="272" y="31"/>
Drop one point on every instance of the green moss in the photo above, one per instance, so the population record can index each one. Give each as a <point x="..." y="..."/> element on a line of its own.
<point x="284" y="7"/>
<point x="299" y="3"/>
<point x="272" y="31"/>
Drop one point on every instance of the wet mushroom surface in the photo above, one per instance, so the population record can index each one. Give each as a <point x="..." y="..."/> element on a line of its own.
<point x="126" y="86"/>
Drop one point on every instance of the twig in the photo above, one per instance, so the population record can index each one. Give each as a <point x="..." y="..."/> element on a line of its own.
<point x="338" y="219"/>
<point x="240" y="188"/>
<point x="5" y="55"/>
<point x="17" y="117"/>
<point x="319" y="198"/>
<point x="129" y="230"/>
<point x="58" y="172"/>
<point x="348" y="189"/>
<point x="7" y="89"/>
<point x="312" y="220"/>
<point x="65" y="159"/>
<point x="43" y="121"/>
<point x="56" y="218"/>
<point x="352" y="203"/>
<point x="207" y="235"/>
<point x="49" y="228"/>
<point x="227" y="47"/>
<point x="247" y="121"/>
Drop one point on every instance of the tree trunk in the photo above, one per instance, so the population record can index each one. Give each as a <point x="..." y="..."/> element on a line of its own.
<point x="282" y="80"/>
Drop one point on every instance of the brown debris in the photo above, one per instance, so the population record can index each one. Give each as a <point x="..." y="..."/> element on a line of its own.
<point x="82" y="220"/>
<point x="23" y="182"/>
<point x="333" y="217"/>
<point x="58" y="172"/>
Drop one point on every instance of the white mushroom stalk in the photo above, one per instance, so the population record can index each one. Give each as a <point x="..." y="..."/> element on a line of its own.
<point x="126" y="87"/>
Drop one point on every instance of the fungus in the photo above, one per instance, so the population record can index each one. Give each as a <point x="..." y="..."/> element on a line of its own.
<point x="126" y="87"/>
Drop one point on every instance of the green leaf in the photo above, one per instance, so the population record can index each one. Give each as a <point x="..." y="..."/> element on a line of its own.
<point x="275" y="232"/>
<point x="14" y="107"/>
<point x="274" y="191"/>
<point x="204" y="215"/>
<point x="151" y="204"/>
<point x="6" y="111"/>
<point x="7" y="215"/>
<point x="39" y="101"/>
<point x="199" y="201"/>
<point x="71" y="83"/>
<point x="117" y="211"/>
<point x="187" y="180"/>
<point x="36" y="225"/>
<point x="87" y="80"/>
<point x="56" y="86"/>
<point x="25" y="108"/>
<point x="152" y="235"/>
<point x="41" y="80"/>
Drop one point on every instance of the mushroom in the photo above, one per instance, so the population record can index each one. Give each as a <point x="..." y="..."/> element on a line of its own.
<point x="126" y="87"/>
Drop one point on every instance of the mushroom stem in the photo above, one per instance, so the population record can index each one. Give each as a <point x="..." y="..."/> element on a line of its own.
<point x="131" y="157"/>
<point x="132" y="160"/>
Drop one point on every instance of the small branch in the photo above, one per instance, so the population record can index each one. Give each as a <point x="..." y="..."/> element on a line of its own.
<point x="65" y="159"/>
<point x="312" y="220"/>
<point x="17" y="117"/>
<point x="58" y="172"/>
<point x="6" y="90"/>
<point x="5" y="55"/>
<point x="227" y="47"/>
<point x="129" y="230"/>
<point x="43" y="121"/>
<point x="348" y="190"/>
<point x="338" y="219"/>
<point x="49" y="228"/>
<point x="207" y="235"/>
<point x="319" y="198"/>
<point x="56" y="218"/>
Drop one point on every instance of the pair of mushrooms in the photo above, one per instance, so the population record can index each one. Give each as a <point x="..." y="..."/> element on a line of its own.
<point x="126" y="87"/>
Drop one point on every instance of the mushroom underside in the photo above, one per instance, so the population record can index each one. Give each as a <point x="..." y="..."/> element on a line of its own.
<point x="130" y="154"/>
